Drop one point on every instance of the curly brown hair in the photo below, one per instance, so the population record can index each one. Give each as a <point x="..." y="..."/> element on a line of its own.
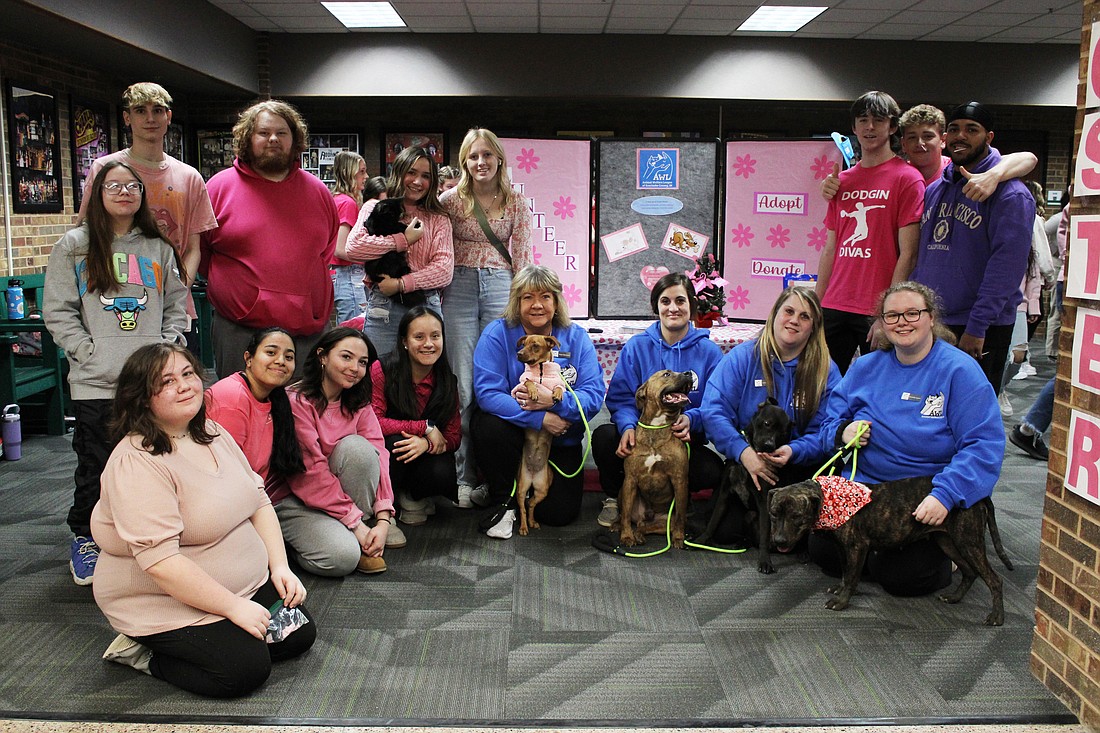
<point x="246" y="125"/>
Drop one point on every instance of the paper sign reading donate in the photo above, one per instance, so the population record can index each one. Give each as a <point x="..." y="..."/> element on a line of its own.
<point x="777" y="268"/>
<point x="1083" y="464"/>
<point x="780" y="203"/>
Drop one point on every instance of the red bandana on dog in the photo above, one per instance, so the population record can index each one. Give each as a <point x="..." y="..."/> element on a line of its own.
<point x="841" y="498"/>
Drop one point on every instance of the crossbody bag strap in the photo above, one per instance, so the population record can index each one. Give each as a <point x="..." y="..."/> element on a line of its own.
<point x="493" y="239"/>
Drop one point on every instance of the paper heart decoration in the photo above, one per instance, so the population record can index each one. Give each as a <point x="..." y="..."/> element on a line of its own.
<point x="651" y="274"/>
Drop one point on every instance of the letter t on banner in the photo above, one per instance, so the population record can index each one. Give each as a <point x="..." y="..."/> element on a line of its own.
<point x="1083" y="269"/>
<point x="1083" y="466"/>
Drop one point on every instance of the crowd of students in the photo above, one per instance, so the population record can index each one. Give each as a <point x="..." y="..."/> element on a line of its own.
<point x="189" y="506"/>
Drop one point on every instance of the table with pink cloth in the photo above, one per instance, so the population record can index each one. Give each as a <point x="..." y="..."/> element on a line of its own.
<point x="613" y="335"/>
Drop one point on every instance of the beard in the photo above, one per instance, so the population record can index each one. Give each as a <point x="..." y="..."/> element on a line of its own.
<point x="271" y="161"/>
<point x="975" y="155"/>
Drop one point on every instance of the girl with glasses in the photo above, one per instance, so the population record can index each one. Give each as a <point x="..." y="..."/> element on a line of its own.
<point x="929" y="411"/>
<point x="113" y="285"/>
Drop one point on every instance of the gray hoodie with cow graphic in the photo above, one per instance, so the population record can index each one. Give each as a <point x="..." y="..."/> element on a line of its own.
<point x="100" y="331"/>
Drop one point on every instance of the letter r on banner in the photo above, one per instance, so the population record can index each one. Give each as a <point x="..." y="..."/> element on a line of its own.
<point x="1083" y="471"/>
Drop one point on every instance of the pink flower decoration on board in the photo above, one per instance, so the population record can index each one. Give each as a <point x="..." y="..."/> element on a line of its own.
<point x="564" y="207"/>
<point x="742" y="235"/>
<point x="821" y="167"/>
<point x="816" y="238"/>
<point x="745" y="166"/>
<point x="572" y="294"/>
<point x="527" y="161"/>
<point x="779" y="235"/>
<point x="536" y="256"/>
<point x="738" y="299"/>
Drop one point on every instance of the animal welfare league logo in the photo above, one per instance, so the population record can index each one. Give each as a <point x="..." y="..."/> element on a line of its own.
<point x="658" y="168"/>
<point x="933" y="406"/>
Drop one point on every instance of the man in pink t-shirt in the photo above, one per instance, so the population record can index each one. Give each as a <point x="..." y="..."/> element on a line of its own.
<point x="873" y="226"/>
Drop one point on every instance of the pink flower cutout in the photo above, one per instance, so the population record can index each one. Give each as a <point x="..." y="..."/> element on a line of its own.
<point x="816" y="238"/>
<point x="742" y="235"/>
<point x="572" y="294"/>
<point x="779" y="236"/>
<point x="745" y="166"/>
<point x="564" y="206"/>
<point x="738" y="299"/>
<point x="527" y="161"/>
<point x="821" y="167"/>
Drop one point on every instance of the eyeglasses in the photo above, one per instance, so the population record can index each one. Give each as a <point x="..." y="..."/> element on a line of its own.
<point x="910" y="316"/>
<point x="115" y="188"/>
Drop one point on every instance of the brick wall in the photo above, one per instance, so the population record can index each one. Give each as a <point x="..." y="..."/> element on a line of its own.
<point x="1065" y="651"/>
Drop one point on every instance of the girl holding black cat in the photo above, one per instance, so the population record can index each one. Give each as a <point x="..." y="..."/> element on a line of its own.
<point x="426" y="242"/>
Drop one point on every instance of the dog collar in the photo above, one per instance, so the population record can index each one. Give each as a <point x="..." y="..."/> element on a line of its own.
<point x="841" y="499"/>
<point x="652" y="427"/>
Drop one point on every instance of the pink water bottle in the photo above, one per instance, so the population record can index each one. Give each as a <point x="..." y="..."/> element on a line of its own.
<point x="13" y="433"/>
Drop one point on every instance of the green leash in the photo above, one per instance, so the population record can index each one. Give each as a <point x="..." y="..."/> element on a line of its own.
<point x="855" y="453"/>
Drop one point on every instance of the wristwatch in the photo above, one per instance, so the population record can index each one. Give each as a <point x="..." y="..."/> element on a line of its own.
<point x="428" y="430"/>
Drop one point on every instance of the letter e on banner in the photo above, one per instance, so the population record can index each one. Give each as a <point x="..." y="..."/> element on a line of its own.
<point x="1088" y="158"/>
<point x="1083" y="269"/>
<point x="1092" y="89"/>
<point x="1086" y="350"/>
<point x="1083" y="466"/>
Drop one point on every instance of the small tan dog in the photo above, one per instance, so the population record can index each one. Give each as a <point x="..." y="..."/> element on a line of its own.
<point x="534" y="467"/>
<point x="657" y="469"/>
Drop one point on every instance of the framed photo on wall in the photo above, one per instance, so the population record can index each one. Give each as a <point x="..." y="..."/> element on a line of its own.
<point x="34" y="149"/>
<point x="323" y="147"/>
<point x="215" y="151"/>
<point x="394" y="142"/>
<point x="90" y="140"/>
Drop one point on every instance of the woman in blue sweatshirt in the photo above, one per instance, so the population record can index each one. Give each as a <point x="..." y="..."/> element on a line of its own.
<point x="930" y="411"/>
<point x="535" y="306"/>
<point x="790" y="363"/>
<point x="670" y="343"/>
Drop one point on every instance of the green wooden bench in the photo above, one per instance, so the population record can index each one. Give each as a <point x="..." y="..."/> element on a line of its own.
<point x="32" y="380"/>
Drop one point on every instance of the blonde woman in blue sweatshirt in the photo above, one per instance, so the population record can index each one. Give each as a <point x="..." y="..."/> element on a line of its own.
<point x="113" y="285"/>
<point x="670" y="343"/>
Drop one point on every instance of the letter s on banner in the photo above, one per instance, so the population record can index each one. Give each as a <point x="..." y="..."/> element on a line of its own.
<point x="1083" y="464"/>
<point x="1088" y="158"/>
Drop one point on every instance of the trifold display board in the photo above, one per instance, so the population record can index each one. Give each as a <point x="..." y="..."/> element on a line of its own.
<point x="774" y="221"/>
<point x="656" y="210"/>
<point x="556" y="177"/>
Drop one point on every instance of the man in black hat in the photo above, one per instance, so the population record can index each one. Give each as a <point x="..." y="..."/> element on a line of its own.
<point x="974" y="253"/>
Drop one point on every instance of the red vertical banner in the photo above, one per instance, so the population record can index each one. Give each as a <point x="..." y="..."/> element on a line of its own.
<point x="774" y="222"/>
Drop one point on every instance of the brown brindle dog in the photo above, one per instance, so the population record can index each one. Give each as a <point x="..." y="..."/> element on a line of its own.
<point x="887" y="522"/>
<point x="657" y="469"/>
<point x="534" y="467"/>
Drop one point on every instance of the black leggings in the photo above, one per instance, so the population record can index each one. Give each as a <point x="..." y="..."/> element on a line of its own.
<point x="498" y="448"/>
<point x="704" y="465"/>
<point x="92" y="445"/>
<point x="427" y="476"/>
<point x="222" y="659"/>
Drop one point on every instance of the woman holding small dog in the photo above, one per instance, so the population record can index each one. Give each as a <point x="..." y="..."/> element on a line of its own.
<point x="337" y="514"/>
<point x="492" y="240"/>
<point x="670" y="343"/>
<point x="415" y="396"/>
<point x="788" y="362"/>
<point x="535" y="307"/>
<point x="426" y="242"/>
<point x="928" y="410"/>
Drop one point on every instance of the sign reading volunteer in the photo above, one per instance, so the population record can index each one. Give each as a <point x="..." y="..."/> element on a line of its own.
<point x="775" y="218"/>
<point x="555" y="177"/>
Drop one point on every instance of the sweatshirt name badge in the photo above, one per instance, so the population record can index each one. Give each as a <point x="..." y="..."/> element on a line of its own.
<point x="758" y="383"/>
<point x="910" y="397"/>
<point x="555" y="354"/>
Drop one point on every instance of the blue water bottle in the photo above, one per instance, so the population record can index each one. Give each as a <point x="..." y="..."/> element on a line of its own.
<point x="15" y="299"/>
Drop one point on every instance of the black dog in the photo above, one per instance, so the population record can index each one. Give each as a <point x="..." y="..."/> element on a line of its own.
<point x="887" y="522"/>
<point x="769" y="428"/>
<point x="384" y="220"/>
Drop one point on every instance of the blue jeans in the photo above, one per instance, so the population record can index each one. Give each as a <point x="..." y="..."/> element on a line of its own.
<point x="475" y="298"/>
<point x="1038" y="417"/>
<point x="383" y="315"/>
<point x="347" y="286"/>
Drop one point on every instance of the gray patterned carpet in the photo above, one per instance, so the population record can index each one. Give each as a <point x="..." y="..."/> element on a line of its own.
<point x="464" y="629"/>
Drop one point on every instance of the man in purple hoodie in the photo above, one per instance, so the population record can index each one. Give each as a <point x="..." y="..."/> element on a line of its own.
<point x="267" y="262"/>
<point x="974" y="254"/>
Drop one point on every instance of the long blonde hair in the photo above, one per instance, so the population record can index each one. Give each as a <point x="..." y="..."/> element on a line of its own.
<point x="465" y="186"/>
<point x="536" y="279"/>
<point x="812" y="373"/>
<point x="345" y="166"/>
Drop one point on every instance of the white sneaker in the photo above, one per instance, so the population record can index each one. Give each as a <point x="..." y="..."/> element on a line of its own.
<point x="124" y="650"/>
<point x="1006" y="406"/>
<point x="609" y="513"/>
<point x="414" y="512"/>
<point x="463" y="501"/>
<point x="502" y="530"/>
<point x="480" y="495"/>
<point x="1026" y="370"/>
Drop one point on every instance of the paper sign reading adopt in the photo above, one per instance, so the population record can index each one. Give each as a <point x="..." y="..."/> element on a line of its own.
<point x="779" y="203"/>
